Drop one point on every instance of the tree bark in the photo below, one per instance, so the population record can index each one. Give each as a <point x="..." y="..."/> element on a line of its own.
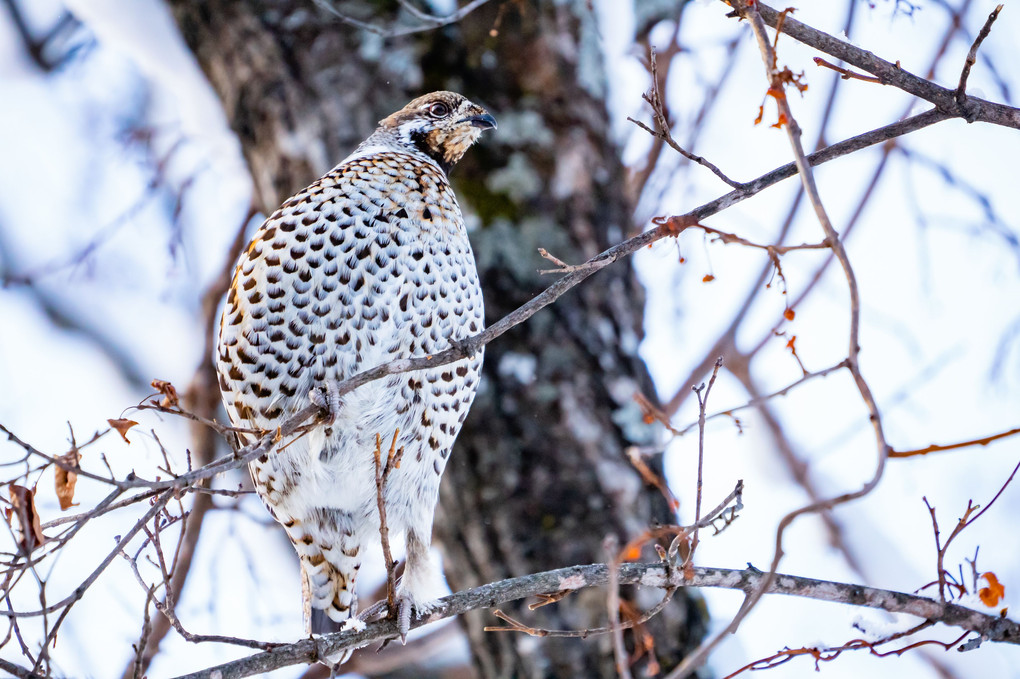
<point x="538" y="477"/>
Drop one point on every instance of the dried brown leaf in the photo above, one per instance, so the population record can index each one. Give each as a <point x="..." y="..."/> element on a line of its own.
<point x="169" y="392"/>
<point x="65" y="480"/>
<point x="122" y="427"/>
<point x="23" y="504"/>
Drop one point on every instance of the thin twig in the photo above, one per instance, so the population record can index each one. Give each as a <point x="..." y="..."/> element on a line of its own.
<point x="19" y="671"/>
<point x="724" y="344"/>
<point x="936" y="448"/>
<point x="79" y="591"/>
<point x="996" y="497"/>
<point x="662" y="127"/>
<point x="518" y="626"/>
<point x="755" y="402"/>
<point x="678" y="534"/>
<point x="961" y="89"/>
<point x="702" y="404"/>
<point x="847" y="74"/>
<point x="382" y="474"/>
<point x="171" y="616"/>
<point x="611" y="546"/>
<point x="940" y="551"/>
<point x="970" y="515"/>
<point x="829" y="654"/>
<point x="138" y="663"/>
<point x="728" y="238"/>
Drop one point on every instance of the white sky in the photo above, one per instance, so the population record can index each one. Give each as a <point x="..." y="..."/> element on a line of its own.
<point x="937" y="301"/>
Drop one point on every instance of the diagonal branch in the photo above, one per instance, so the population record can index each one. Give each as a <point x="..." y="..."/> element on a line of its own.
<point x="961" y="89"/>
<point x="972" y="109"/>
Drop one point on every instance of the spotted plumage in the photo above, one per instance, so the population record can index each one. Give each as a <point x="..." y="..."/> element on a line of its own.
<point x="369" y="264"/>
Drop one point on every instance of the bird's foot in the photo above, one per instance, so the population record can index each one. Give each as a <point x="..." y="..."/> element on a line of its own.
<point x="406" y="609"/>
<point x="327" y="396"/>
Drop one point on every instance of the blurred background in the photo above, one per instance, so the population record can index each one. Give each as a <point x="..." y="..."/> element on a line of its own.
<point x="141" y="143"/>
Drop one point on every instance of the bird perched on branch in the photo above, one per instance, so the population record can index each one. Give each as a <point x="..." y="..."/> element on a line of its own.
<point x="369" y="264"/>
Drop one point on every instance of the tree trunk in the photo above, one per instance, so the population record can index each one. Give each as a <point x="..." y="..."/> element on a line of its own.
<point x="538" y="477"/>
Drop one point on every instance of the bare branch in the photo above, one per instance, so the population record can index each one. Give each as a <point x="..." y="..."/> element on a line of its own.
<point x="990" y="627"/>
<point x="19" y="671"/>
<point x="972" y="109"/>
<point x="429" y="21"/>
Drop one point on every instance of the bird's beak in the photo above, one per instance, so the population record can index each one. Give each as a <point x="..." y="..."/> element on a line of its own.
<point x="483" y="121"/>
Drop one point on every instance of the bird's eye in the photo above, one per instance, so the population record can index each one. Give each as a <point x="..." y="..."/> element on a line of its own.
<point x="439" y="110"/>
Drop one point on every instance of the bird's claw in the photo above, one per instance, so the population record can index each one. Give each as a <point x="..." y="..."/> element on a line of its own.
<point x="406" y="608"/>
<point x="327" y="396"/>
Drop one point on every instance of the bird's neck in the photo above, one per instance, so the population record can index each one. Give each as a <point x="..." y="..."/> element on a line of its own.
<point x="385" y="140"/>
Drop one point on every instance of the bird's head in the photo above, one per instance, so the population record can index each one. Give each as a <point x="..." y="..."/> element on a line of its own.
<point x="442" y="125"/>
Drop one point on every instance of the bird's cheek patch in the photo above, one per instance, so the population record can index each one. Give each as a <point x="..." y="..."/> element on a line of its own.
<point x="437" y="140"/>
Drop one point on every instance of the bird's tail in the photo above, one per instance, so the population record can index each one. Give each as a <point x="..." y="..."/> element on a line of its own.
<point x="328" y="594"/>
<point x="327" y="583"/>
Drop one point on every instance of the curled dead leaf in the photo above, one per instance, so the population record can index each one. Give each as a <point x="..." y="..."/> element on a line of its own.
<point x="782" y="120"/>
<point x="169" y="392"/>
<point x="122" y="427"/>
<point x="789" y="314"/>
<point x="30" y="528"/>
<point x="65" y="479"/>
<point x="993" y="593"/>
<point x="708" y="278"/>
